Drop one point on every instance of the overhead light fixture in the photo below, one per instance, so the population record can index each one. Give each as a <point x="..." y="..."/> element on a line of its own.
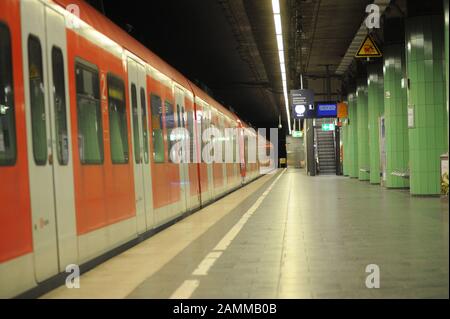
<point x="281" y="55"/>
<point x="280" y="42"/>
<point x="276" y="6"/>
<point x="278" y="28"/>
<point x="279" y="36"/>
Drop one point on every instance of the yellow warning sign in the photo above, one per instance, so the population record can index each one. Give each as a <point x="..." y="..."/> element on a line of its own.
<point x="368" y="49"/>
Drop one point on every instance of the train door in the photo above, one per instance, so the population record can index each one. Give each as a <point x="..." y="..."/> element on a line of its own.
<point x="48" y="139"/>
<point x="141" y="162"/>
<point x="183" y="166"/>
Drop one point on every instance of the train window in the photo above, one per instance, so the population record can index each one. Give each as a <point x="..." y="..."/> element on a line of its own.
<point x="59" y="97"/>
<point x="212" y="141"/>
<point x="204" y="125"/>
<point x="118" y="129"/>
<point x="183" y="124"/>
<point x="246" y="149"/>
<point x="170" y="123"/>
<point x="235" y="132"/>
<point x="178" y="116"/>
<point x="144" y="124"/>
<point x="89" y="115"/>
<point x="223" y="141"/>
<point x="157" y="133"/>
<point x="183" y="114"/>
<point x="134" y="112"/>
<point x="37" y="100"/>
<point x="7" y="117"/>
<point x="190" y="123"/>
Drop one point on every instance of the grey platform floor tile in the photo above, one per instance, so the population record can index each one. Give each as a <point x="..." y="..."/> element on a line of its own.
<point x="312" y="237"/>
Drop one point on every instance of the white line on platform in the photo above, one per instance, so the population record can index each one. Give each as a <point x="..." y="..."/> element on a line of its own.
<point x="207" y="262"/>
<point x="188" y="287"/>
<point x="185" y="290"/>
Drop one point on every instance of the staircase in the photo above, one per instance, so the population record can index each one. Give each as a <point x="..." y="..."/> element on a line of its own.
<point x="326" y="152"/>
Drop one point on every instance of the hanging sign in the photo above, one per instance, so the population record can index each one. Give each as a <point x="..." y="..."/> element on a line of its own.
<point x="342" y="110"/>
<point x="326" y="109"/>
<point x="302" y="102"/>
<point x="328" y="127"/>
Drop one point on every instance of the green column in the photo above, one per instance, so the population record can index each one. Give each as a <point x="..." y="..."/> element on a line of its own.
<point x="375" y="100"/>
<point x="344" y="134"/>
<point x="426" y="95"/>
<point x="395" y="115"/>
<point x="363" y="131"/>
<point x="446" y="26"/>
<point x="352" y="136"/>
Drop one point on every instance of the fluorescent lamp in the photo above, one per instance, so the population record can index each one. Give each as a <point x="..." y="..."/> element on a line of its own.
<point x="276" y="6"/>
<point x="279" y="35"/>
<point x="281" y="55"/>
<point x="280" y="42"/>
<point x="278" y="28"/>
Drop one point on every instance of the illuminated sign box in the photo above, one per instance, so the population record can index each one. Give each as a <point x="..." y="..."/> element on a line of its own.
<point x="328" y="127"/>
<point x="302" y="102"/>
<point x="326" y="109"/>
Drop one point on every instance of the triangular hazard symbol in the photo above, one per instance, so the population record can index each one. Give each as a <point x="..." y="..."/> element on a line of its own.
<point x="368" y="49"/>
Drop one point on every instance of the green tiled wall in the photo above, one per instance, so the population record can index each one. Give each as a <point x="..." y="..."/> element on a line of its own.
<point x="363" y="132"/>
<point x="395" y="114"/>
<point x="352" y="136"/>
<point x="427" y="94"/>
<point x="375" y="98"/>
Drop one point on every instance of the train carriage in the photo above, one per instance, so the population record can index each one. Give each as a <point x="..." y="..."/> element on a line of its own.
<point x="87" y="122"/>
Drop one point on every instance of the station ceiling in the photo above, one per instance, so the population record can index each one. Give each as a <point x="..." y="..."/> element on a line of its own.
<point x="229" y="46"/>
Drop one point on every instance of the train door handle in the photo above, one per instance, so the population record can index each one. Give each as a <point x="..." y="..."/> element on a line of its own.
<point x="50" y="159"/>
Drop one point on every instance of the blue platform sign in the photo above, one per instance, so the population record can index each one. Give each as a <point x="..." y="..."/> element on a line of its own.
<point x="302" y="103"/>
<point x="327" y="109"/>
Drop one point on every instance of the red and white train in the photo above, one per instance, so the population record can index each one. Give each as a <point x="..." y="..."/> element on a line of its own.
<point x="85" y="115"/>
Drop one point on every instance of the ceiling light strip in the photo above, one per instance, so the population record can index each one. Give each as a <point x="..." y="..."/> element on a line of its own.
<point x="279" y="37"/>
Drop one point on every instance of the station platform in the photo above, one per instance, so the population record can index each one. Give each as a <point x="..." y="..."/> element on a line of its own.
<point x="288" y="235"/>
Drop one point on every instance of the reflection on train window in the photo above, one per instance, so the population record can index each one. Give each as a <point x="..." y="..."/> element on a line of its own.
<point x="157" y="127"/>
<point x="59" y="96"/>
<point x="7" y="118"/>
<point x="90" y="128"/>
<point x="134" y="112"/>
<point x="118" y="130"/>
<point x="170" y="124"/>
<point x="37" y="100"/>
<point x="144" y="124"/>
